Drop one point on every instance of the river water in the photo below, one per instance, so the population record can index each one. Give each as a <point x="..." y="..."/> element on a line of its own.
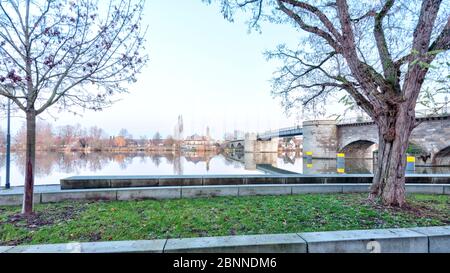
<point x="53" y="166"/>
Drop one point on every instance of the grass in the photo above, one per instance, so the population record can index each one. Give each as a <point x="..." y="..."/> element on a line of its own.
<point x="150" y="219"/>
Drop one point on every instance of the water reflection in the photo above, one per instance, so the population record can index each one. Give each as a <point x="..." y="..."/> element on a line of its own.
<point x="52" y="166"/>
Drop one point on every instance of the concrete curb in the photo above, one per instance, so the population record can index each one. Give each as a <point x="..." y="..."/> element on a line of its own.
<point x="141" y="246"/>
<point x="174" y="192"/>
<point x="438" y="241"/>
<point x="403" y="240"/>
<point x="281" y="243"/>
<point x="377" y="240"/>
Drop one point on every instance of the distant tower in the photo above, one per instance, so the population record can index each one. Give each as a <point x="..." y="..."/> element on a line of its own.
<point x="178" y="131"/>
<point x="208" y="135"/>
<point x="180" y="126"/>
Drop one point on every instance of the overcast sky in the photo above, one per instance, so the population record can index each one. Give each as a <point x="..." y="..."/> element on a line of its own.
<point x="201" y="66"/>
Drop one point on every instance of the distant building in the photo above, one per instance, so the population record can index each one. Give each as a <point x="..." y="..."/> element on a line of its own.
<point x="234" y="136"/>
<point x="197" y="142"/>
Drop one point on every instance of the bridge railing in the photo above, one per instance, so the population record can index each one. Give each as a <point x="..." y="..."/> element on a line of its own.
<point x="361" y="119"/>
<point x="354" y="120"/>
<point x="419" y="114"/>
<point x="278" y="132"/>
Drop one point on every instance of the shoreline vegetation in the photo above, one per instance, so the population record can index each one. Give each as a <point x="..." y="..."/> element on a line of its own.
<point x="75" y="138"/>
<point x="217" y="216"/>
<point x="214" y="149"/>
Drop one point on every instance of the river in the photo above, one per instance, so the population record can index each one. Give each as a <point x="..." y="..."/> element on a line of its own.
<point x="53" y="166"/>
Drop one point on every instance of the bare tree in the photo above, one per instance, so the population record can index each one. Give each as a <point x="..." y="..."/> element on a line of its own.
<point x="157" y="138"/>
<point x="66" y="53"/>
<point x="2" y="138"/>
<point x="44" y="136"/>
<point x="125" y="134"/>
<point x="97" y="138"/>
<point x="379" y="52"/>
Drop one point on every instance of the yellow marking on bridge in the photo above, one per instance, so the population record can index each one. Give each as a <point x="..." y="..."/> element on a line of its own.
<point x="411" y="159"/>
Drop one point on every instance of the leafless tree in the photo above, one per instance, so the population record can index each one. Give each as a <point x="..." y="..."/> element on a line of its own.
<point x="157" y="138"/>
<point x="378" y="52"/>
<point x="97" y="138"/>
<point x="2" y="138"/>
<point x="125" y="134"/>
<point x="66" y="53"/>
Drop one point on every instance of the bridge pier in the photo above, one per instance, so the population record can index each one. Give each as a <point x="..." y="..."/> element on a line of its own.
<point x="250" y="143"/>
<point x="253" y="145"/>
<point x="320" y="138"/>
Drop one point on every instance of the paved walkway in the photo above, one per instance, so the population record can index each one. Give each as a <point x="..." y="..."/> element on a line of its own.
<point x="37" y="189"/>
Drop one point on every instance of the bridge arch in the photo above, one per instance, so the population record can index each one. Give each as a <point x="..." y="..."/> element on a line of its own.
<point x="423" y="156"/>
<point x="360" y="148"/>
<point x="442" y="157"/>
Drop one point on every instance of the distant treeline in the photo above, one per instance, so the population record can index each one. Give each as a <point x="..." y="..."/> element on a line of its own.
<point x="75" y="137"/>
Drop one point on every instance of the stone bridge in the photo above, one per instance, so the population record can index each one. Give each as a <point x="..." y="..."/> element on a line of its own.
<point x="252" y="144"/>
<point x="325" y="138"/>
<point x="430" y="139"/>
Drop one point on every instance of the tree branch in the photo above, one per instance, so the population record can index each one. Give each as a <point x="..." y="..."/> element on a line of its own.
<point x="311" y="29"/>
<point x="322" y="17"/>
<point x="390" y="73"/>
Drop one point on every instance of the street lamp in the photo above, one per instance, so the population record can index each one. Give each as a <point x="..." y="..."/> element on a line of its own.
<point x="8" y="141"/>
<point x="8" y="145"/>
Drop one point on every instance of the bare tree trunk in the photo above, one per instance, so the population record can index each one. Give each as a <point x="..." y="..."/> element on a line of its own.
<point x="389" y="179"/>
<point x="27" y="207"/>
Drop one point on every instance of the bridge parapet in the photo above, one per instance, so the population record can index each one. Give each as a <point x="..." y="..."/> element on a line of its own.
<point x="420" y="116"/>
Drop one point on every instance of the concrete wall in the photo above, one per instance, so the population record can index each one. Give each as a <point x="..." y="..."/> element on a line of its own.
<point x="98" y="182"/>
<point x="403" y="240"/>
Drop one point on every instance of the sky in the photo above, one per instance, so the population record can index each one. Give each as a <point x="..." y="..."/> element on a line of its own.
<point x="201" y="66"/>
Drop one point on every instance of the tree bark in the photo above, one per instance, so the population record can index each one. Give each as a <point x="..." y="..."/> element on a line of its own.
<point x="394" y="130"/>
<point x="27" y="207"/>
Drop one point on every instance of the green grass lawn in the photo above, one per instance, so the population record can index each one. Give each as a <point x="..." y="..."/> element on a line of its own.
<point x="150" y="219"/>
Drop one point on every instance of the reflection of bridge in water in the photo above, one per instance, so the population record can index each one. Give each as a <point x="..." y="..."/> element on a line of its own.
<point x="269" y="163"/>
<point x="251" y="161"/>
<point x="263" y="162"/>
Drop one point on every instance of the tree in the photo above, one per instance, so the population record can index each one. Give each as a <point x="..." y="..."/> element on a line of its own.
<point x="68" y="134"/>
<point x="64" y="54"/>
<point x="20" y="137"/>
<point x="120" y="141"/>
<point x="378" y="52"/>
<point x="44" y="135"/>
<point x="125" y="134"/>
<point x="2" y="138"/>
<point x="157" y="138"/>
<point x="169" y="141"/>
<point x="97" y="138"/>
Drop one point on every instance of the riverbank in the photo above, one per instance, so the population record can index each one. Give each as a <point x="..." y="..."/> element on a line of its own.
<point x="219" y="216"/>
